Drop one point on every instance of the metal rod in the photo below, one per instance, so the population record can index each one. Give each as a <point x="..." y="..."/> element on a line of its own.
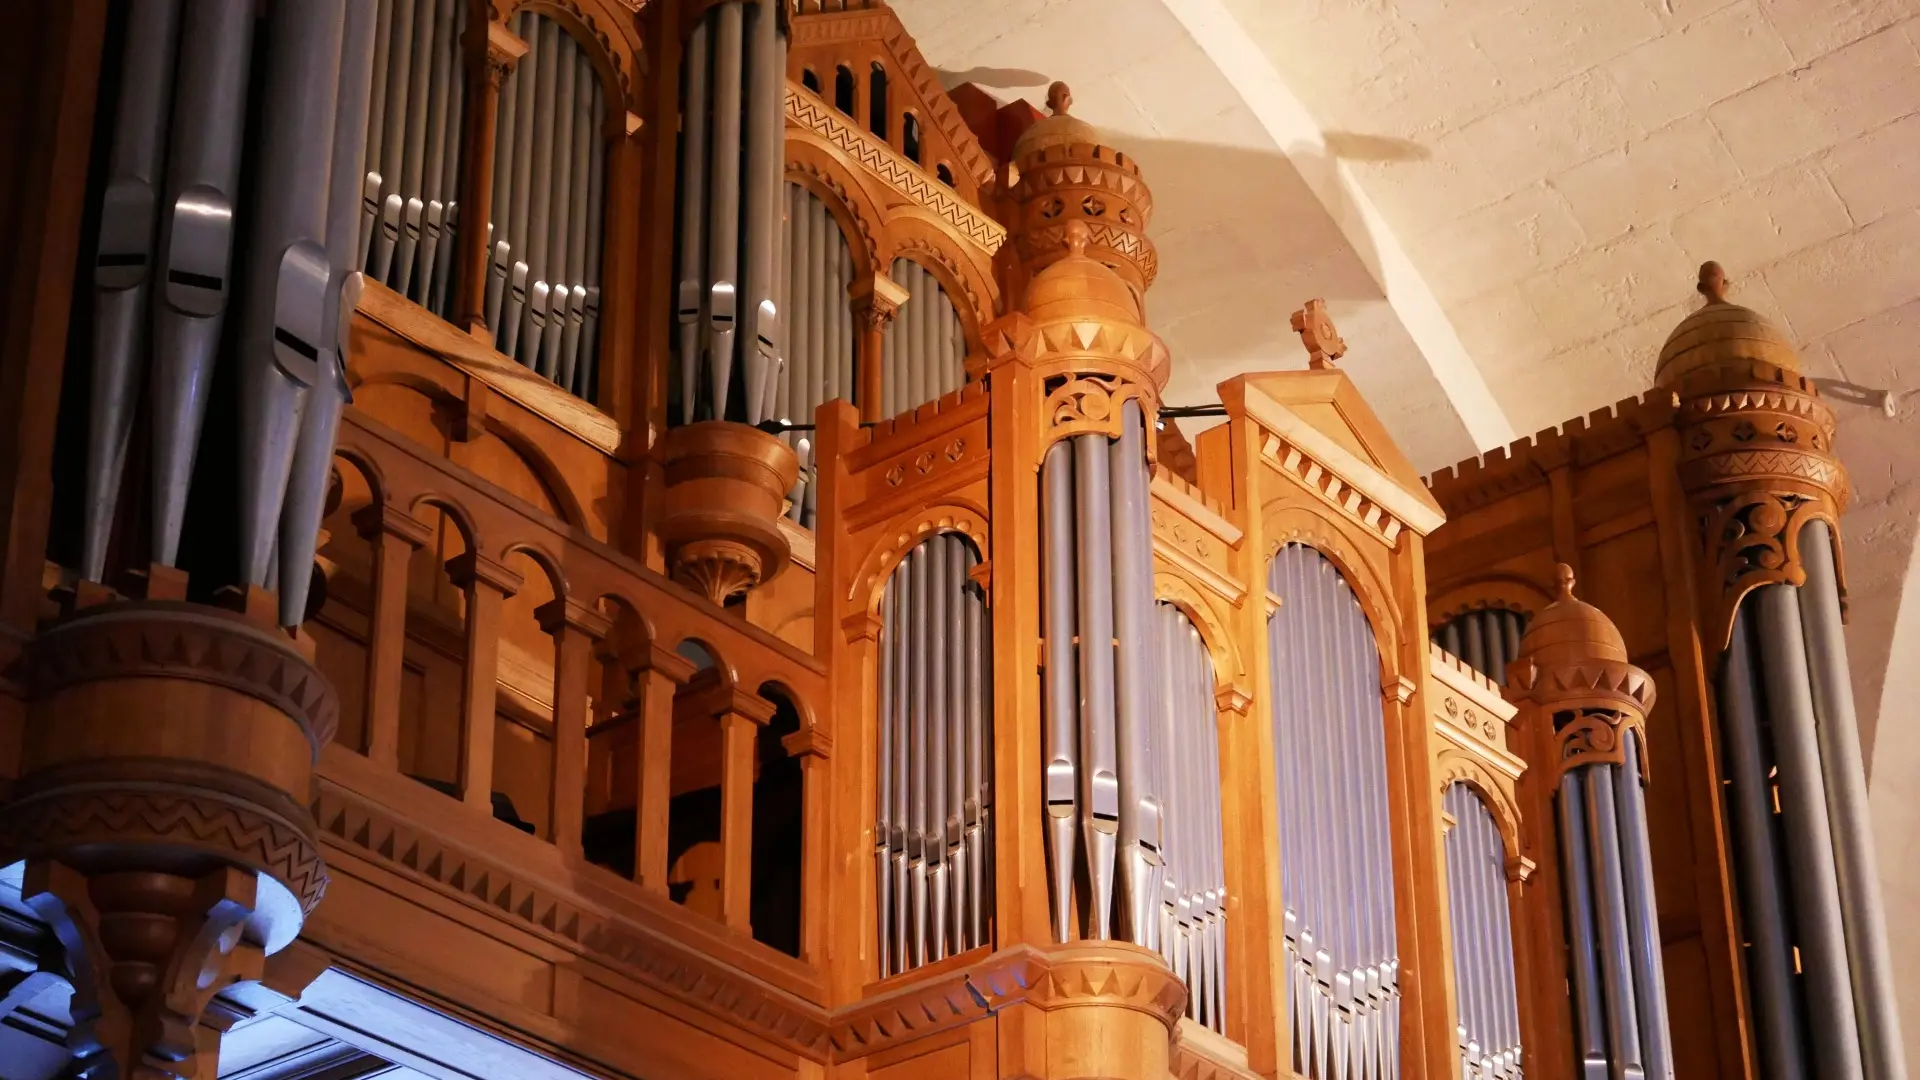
<point x="122" y="267"/>
<point x="196" y="245"/>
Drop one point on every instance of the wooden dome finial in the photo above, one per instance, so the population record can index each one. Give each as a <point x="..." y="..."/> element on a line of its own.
<point x="1713" y="283"/>
<point x="1059" y="99"/>
<point x="1563" y="577"/>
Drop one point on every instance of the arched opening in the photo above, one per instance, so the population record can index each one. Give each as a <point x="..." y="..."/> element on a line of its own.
<point x="924" y="348"/>
<point x="615" y="742"/>
<point x="843" y="89"/>
<point x="1483" y="974"/>
<point x="341" y="611"/>
<point x="779" y="796"/>
<point x="1329" y="731"/>
<point x="694" y="860"/>
<point x="933" y="809"/>
<point x="945" y="174"/>
<point x="810" y="80"/>
<point x="549" y="165"/>
<point x="877" y="101"/>
<point x="525" y="724"/>
<point x="910" y="138"/>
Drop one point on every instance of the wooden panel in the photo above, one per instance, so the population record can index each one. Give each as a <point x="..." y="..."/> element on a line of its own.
<point x="1622" y="578"/>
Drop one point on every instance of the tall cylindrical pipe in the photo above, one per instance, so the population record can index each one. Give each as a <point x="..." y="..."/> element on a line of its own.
<point x="1061" y="746"/>
<point x="1839" y="737"/>
<point x="693" y="217"/>
<point x="1582" y="942"/>
<point x="723" y="217"/>
<point x="197" y="235"/>
<point x="1643" y="925"/>
<point x="1807" y="826"/>
<point x="934" y="746"/>
<point x="883" y="778"/>
<point x="766" y="81"/>
<point x="286" y="320"/>
<point x="1099" y="781"/>
<point x="122" y="274"/>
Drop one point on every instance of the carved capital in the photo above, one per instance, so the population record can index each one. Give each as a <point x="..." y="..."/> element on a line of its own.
<point x="375" y="520"/>
<point x="565" y="613"/>
<point x="1595" y="737"/>
<point x="469" y="570"/>
<point x="146" y="953"/>
<point x="876" y="298"/>
<point x="1082" y="404"/>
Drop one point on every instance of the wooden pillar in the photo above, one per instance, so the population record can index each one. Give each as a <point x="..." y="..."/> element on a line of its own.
<point x="492" y="51"/>
<point x="487" y="584"/>
<point x="657" y="680"/>
<point x="875" y="299"/>
<point x="741" y="717"/>
<point x="49" y="75"/>
<point x="395" y="536"/>
<point x="575" y="628"/>
<point x="814" y="748"/>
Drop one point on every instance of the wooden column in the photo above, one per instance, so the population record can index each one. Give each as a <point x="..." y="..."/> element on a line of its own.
<point x="875" y="300"/>
<point x="487" y="584"/>
<point x="740" y="716"/>
<point x="49" y="75"/>
<point x="492" y="51"/>
<point x="657" y="680"/>
<point x="575" y="628"/>
<point x="813" y="747"/>
<point x="395" y="536"/>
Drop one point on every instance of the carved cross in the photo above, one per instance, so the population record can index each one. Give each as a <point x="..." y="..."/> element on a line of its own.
<point x="1317" y="332"/>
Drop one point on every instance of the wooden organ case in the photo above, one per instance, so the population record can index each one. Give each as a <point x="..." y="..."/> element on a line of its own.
<point x="680" y="568"/>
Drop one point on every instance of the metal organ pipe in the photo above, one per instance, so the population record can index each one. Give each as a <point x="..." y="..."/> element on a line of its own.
<point x="1487" y="639"/>
<point x="729" y="197"/>
<point x="932" y="724"/>
<point x="1191" y="929"/>
<point x="413" y="138"/>
<point x="122" y="273"/>
<point x="922" y="348"/>
<point x="196" y="245"/>
<point x="1482" y="939"/>
<point x="189" y="68"/>
<point x="819" y="337"/>
<point x="543" y="267"/>
<point x="1336" y="858"/>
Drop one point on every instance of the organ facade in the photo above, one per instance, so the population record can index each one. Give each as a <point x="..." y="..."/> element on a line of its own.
<point x="641" y="538"/>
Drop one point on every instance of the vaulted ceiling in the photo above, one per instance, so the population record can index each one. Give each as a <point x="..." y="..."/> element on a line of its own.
<point x="1504" y="203"/>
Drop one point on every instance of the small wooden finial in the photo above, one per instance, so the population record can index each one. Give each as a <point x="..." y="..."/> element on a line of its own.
<point x="1317" y="332"/>
<point x="1059" y="99"/>
<point x="1713" y="283"/>
<point x="1563" y="575"/>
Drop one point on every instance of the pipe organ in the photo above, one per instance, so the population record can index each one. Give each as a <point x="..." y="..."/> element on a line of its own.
<point x="549" y="166"/>
<point x="933" y="817"/>
<point x="790" y="461"/>
<point x="820" y="330"/>
<point x="1482" y="925"/>
<point x="1192" y="932"/>
<point x="729" y="340"/>
<point x="924" y="351"/>
<point x="414" y="148"/>
<point x="1336" y="868"/>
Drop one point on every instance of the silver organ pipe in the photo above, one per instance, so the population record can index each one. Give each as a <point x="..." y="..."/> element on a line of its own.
<point x="413" y="148"/>
<point x="1619" y="991"/>
<point x="1797" y="801"/>
<point x="1336" y="872"/>
<point x="122" y="269"/>
<point x="1110" y="760"/>
<point x="932" y="829"/>
<point x="923" y="348"/>
<point x="729" y="213"/>
<point x="543" y="272"/>
<point x="1190" y="914"/>
<point x="192" y="67"/>
<point x="1483" y="969"/>
<point x="818" y="329"/>
<point x="1487" y="639"/>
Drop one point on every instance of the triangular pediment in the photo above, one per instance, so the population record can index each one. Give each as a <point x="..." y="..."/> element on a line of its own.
<point x="1323" y="413"/>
